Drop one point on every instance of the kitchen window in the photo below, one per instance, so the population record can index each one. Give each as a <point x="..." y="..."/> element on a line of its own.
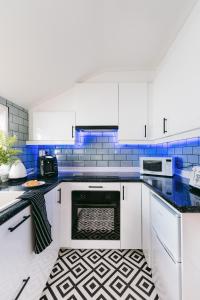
<point x="3" y="118"/>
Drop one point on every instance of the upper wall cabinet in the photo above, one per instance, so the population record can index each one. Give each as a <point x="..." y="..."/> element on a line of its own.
<point x="96" y="104"/>
<point x="53" y="128"/>
<point x="133" y="99"/>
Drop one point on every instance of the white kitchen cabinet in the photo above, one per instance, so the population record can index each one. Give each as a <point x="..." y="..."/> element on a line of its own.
<point x="133" y="115"/>
<point x="15" y="254"/>
<point x="42" y="264"/>
<point x="96" y="104"/>
<point x="130" y="215"/>
<point x="53" y="128"/>
<point x="146" y="224"/>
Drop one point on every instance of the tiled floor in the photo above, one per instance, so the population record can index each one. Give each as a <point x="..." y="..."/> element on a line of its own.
<point x="100" y="275"/>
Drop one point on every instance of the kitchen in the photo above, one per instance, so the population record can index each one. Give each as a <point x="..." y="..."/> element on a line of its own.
<point x="101" y="144"/>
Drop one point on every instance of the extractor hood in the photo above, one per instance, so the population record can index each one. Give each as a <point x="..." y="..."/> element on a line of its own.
<point x="97" y="128"/>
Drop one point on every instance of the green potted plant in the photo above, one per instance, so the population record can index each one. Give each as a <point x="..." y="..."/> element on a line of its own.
<point x="7" y="154"/>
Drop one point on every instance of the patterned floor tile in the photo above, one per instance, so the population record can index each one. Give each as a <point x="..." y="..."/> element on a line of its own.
<point x="100" y="275"/>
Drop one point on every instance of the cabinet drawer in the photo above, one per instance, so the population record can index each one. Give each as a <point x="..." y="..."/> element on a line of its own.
<point x="166" y="223"/>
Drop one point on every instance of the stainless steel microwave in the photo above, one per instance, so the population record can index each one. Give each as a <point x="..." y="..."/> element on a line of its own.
<point x="161" y="166"/>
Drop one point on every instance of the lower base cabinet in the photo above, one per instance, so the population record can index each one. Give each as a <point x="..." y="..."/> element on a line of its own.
<point x="23" y="274"/>
<point x="15" y="254"/>
<point x="42" y="264"/>
<point x="130" y="215"/>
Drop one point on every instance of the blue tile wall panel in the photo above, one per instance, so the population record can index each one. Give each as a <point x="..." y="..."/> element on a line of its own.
<point x="100" y="149"/>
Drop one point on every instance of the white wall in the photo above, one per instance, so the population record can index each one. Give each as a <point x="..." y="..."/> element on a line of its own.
<point x="64" y="101"/>
<point x="177" y="82"/>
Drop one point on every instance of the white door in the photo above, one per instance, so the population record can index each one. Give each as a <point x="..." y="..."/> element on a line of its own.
<point x="130" y="215"/>
<point x="146" y="224"/>
<point x="54" y="127"/>
<point x="15" y="254"/>
<point x="165" y="271"/>
<point x="96" y="104"/>
<point x="132" y="112"/>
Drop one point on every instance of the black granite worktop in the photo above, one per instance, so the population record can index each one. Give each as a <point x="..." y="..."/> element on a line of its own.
<point x="175" y="191"/>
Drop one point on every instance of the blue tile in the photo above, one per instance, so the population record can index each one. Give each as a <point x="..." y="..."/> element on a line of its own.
<point x="178" y="151"/>
<point x="196" y="150"/>
<point x="193" y="159"/>
<point x="114" y="163"/>
<point x="102" y="163"/>
<point x="91" y="151"/>
<point x="96" y="157"/>
<point x="187" y="150"/>
<point x="102" y="139"/>
<point x="102" y="151"/>
<point x="126" y="163"/>
<point x="78" y="164"/>
<point x="193" y="142"/>
<point x="108" y="157"/>
<point x="90" y="163"/>
<point x="120" y="157"/>
<point x="78" y="151"/>
<point x="84" y="157"/>
<point x="132" y="157"/>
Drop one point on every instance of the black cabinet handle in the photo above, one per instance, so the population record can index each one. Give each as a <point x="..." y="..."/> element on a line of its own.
<point x="164" y="125"/>
<point x="145" y="131"/>
<point x="123" y="192"/>
<point x="25" y="281"/>
<point x="59" y="196"/>
<point x="72" y="131"/>
<point x="11" y="229"/>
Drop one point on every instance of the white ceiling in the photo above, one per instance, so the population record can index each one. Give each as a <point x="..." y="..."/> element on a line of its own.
<point x="47" y="45"/>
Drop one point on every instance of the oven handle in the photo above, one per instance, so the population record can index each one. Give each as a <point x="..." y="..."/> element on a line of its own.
<point x="95" y="187"/>
<point x="91" y="205"/>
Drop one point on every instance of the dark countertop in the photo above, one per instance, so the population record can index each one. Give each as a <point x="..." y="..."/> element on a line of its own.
<point x="175" y="191"/>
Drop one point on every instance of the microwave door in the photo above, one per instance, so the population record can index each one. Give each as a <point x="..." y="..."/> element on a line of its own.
<point x="152" y="165"/>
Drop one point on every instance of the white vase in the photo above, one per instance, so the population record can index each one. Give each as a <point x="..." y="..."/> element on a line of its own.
<point x="4" y="171"/>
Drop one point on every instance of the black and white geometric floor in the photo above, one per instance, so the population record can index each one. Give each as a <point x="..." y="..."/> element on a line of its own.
<point x="100" y="275"/>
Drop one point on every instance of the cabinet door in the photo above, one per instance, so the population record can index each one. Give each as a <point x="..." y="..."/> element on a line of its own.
<point x="15" y="254"/>
<point x="131" y="216"/>
<point x="132" y="112"/>
<point x="146" y="225"/>
<point x="43" y="263"/>
<point x="53" y="126"/>
<point x="96" y="104"/>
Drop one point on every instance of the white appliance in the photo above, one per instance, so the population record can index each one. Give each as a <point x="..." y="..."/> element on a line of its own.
<point x="161" y="166"/>
<point x="17" y="170"/>
<point x="195" y="177"/>
<point x="166" y="245"/>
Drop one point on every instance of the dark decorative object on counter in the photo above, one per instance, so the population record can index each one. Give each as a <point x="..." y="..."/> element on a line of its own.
<point x="47" y="165"/>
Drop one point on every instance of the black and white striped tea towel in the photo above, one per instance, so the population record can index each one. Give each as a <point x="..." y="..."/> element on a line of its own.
<point x="41" y="225"/>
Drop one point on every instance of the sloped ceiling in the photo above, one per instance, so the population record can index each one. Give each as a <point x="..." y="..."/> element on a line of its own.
<point x="47" y="45"/>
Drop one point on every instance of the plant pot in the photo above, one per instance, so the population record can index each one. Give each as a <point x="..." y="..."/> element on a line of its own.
<point x="4" y="172"/>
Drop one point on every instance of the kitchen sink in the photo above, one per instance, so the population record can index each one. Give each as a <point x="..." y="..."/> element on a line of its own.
<point x="8" y="198"/>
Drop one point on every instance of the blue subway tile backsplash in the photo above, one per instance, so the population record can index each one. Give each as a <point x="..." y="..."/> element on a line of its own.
<point x="100" y="149"/>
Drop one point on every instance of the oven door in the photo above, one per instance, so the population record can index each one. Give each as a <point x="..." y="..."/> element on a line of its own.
<point x="95" y="215"/>
<point x="152" y="166"/>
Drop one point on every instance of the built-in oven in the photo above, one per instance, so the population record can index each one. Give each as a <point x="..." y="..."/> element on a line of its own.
<point x="95" y="215"/>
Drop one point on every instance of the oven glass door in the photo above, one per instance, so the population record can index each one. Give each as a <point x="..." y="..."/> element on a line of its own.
<point x="152" y="165"/>
<point x="95" y="215"/>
